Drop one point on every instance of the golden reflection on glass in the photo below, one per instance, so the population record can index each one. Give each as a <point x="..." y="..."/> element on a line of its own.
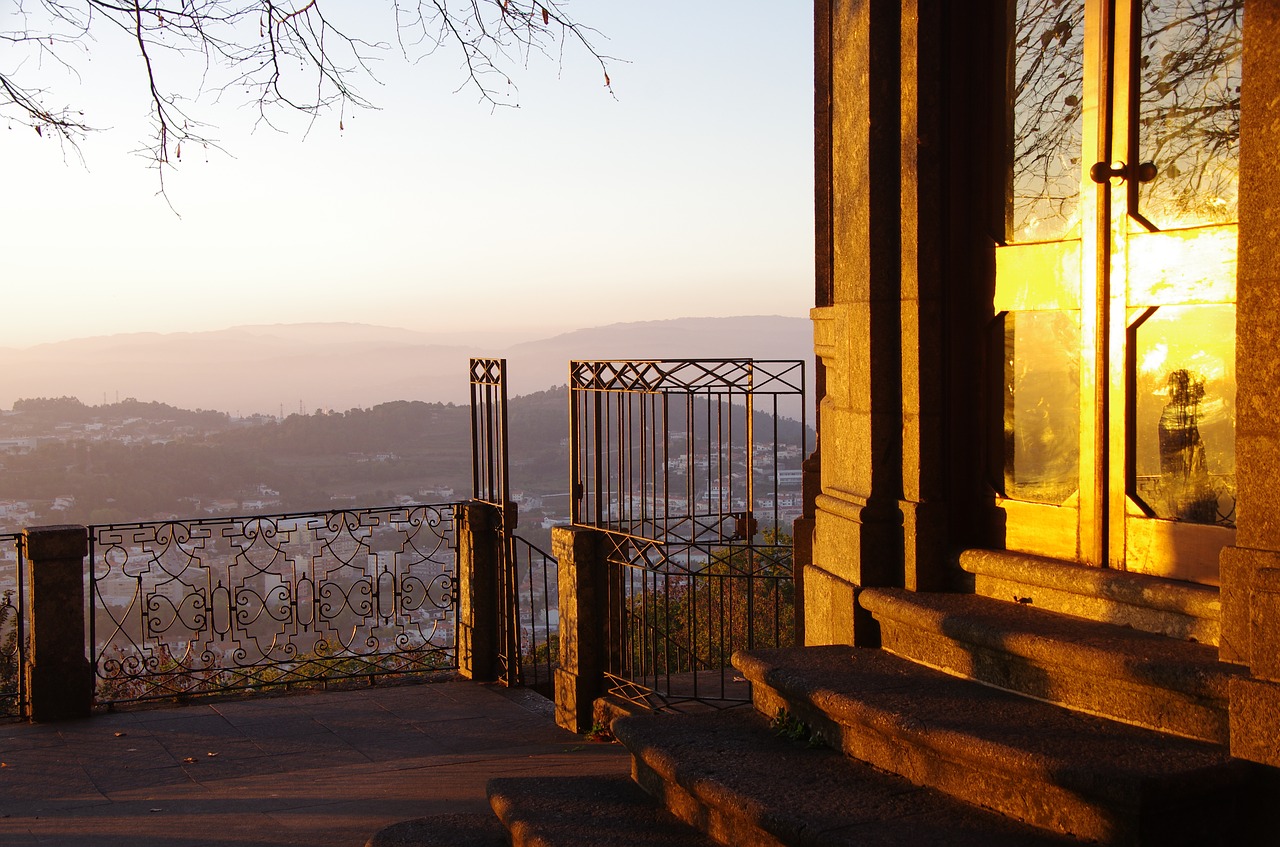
<point x="1186" y="413"/>
<point x="1189" y="121"/>
<point x="1041" y="405"/>
<point x="1047" y="69"/>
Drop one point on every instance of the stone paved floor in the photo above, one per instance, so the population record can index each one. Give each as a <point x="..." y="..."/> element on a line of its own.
<point x="317" y="768"/>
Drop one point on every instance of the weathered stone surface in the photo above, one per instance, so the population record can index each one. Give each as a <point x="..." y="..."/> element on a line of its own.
<point x="58" y="673"/>
<point x="1264" y="624"/>
<point x="583" y="605"/>
<point x="1033" y="761"/>
<point x="1236" y="566"/>
<point x="729" y="775"/>
<point x="1255" y="716"/>
<point x="479" y="554"/>
<point x="1258" y="280"/>
<point x="585" y="812"/>
<point x="1117" y="672"/>
<point x="828" y="604"/>
<point x="1176" y="609"/>
<point x="59" y="541"/>
<point x="575" y="696"/>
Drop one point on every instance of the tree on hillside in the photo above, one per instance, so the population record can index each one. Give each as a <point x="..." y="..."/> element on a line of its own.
<point x="278" y="55"/>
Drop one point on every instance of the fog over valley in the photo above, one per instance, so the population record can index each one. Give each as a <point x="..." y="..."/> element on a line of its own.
<point x="281" y="369"/>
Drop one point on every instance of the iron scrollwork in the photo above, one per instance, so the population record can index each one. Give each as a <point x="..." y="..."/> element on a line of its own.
<point x="13" y="642"/>
<point x="220" y="604"/>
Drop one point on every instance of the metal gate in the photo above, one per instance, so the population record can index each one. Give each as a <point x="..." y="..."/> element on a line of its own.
<point x="692" y="470"/>
<point x="528" y="643"/>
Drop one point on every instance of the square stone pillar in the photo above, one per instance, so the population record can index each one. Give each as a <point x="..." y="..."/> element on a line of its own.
<point x="59" y="676"/>
<point x="479" y="558"/>
<point x="1250" y="570"/>
<point x="857" y="524"/>
<point x="584" y="605"/>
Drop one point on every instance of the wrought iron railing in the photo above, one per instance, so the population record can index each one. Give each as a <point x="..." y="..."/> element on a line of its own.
<point x="13" y="633"/>
<point x="678" y="612"/>
<point x="191" y="607"/>
<point x="693" y="470"/>
<point x="529" y="642"/>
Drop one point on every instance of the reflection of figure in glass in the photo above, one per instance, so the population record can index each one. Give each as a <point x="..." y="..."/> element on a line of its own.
<point x="1183" y="471"/>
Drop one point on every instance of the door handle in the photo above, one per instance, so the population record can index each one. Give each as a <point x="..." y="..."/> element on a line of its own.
<point x="1104" y="172"/>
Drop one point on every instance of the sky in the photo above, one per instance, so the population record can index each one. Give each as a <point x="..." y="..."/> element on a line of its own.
<point x="686" y="192"/>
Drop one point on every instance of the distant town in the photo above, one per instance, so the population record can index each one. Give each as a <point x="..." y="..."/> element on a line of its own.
<point x="62" y="461"/>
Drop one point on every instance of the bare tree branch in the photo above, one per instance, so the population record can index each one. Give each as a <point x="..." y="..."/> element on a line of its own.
<point x="282" y="56"/>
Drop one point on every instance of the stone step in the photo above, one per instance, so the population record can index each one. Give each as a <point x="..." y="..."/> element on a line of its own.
<point x="460" y="830"/>
<point x="588" y="811"/>
<point x="1033" y="761"/>
<point x="734" y="778"/>
<point x="1169" y="607"/>
<point x="1117" y="672"/>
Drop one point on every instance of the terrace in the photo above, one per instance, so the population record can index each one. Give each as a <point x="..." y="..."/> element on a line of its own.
<point x="415" y="642"/>
<point x="315" y="768"/>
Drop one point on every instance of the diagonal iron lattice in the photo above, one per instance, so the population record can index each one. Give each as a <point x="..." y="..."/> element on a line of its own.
<point x="692" y="470"/>
<point x="490" y="478"/>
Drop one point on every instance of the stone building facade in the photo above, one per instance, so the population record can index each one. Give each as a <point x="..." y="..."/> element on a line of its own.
<point x="1046" y="320"/>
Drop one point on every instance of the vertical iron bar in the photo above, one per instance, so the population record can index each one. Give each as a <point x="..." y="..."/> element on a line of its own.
<point x="575" y="461"/>
<point x="598" y="426"/>
<point x="20" y="558"/>
<point x="712" y="577"/>
<point x="93" y="603"/>
<point x="749" y="512"/>
<point x="503" y="448"/>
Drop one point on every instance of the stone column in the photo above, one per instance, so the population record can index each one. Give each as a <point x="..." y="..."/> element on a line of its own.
<point x="59" y="676"/>
<point x="857" y="325"/>
<point x="1250" y="570"/>
<point x="479" y="557"/>
<point x="584" y="588"/>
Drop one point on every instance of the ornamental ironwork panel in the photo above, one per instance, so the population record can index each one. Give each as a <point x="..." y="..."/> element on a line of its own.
<point x="690" y="450"/>
<point x="13" y="634"/>
<point x="677" y="612"/>
<point x="693" y="470"/>
<point x="222" y="604"/>
<point x="489" y="478"/>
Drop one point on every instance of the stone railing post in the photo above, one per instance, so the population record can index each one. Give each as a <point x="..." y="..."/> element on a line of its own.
<point x="59" y="675"/>
<point x="579" y="679"/>
<point x="802" y="537"/>
<point x="479" y="557"/>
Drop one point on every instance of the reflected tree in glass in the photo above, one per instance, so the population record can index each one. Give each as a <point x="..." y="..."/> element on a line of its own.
<point x="1185" y="414"/>
<point x="1046" y="120"/>
<point x="1189" y="122"/>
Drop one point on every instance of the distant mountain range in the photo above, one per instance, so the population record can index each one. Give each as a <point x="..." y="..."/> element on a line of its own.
<point x="282" y="368"/>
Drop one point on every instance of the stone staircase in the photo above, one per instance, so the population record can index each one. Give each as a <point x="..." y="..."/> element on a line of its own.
<point x="953" y="732"/>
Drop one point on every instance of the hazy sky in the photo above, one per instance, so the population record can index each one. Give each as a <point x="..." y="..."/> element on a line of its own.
<point x="688" y="194"/>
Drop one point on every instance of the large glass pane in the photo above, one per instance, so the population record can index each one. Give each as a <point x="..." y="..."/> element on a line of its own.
<point x="1041" y="405"/>
<point x="1189" y="121"/>
<point x="1185" y="432"/>
<point x="1047" y="81"/>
